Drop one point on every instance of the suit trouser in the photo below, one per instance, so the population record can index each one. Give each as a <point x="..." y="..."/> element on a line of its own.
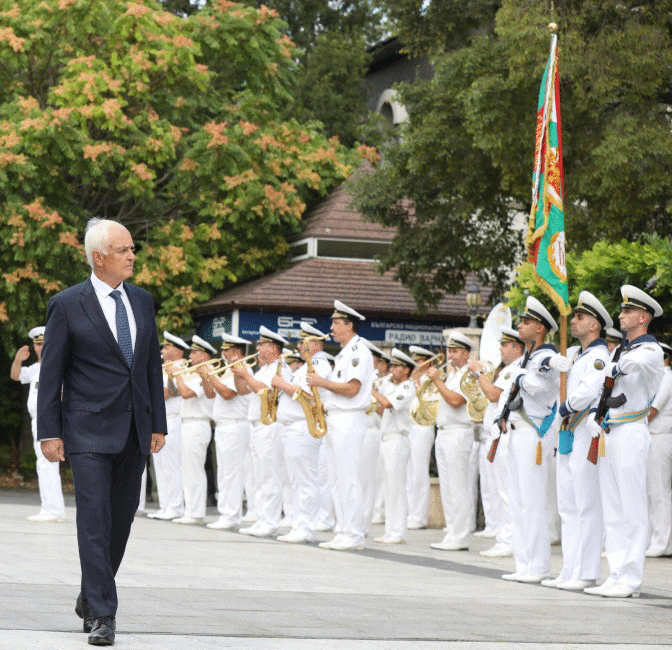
<point x="196" y="435"/>
<point x="232" y="437"/>
<point x="369" y="471"/>
<point x="624" y="503"/>
<point x="395" y="450"/>
<point x="48" y="481"/>
<point x="343" y="448"/>
<point x="580" y="509"/>
<point x="527" y="483"/>
<point x="420" y="440"/>
<point x="453" y="453"/>
<point x="659" y="489"/>
<point x="168" y="469"/>
<point x="266" y="451"/>
<point x="107" y="492"/>
<point x="301" y="453"/>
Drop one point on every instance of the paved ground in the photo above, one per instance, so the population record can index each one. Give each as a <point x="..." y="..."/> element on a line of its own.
<point x="191" y="588"/>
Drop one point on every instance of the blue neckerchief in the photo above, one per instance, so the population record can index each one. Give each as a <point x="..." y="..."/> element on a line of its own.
<point x="644" y="338"/>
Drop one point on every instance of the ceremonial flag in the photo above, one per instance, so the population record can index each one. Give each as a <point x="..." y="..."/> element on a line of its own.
<point x="545" y="238"/>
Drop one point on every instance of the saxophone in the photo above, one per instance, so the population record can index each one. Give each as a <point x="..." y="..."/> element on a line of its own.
<point x="270" y="397"/>
<point x="476" y="400"/>
<point x="312" y="408"/>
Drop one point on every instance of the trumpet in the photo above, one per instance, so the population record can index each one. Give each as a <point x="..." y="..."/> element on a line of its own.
<point x="437" y="358"/>
<point x="211" y="364"/>
<point x="224" y="369"/>
<point x="178" y="363"/>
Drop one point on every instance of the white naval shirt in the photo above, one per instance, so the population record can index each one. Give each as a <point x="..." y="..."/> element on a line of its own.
<point x="586" y="376"/>
<point x="448" y="416"/>
<point x="289" y="409"/>
<point x="31" y="375"/>
<point x="265" y="375"/>
<point x="173" y="404"/>
<point x="397" y="420"/>
<point x="235" y="408"/>
<point x="195" y="408"/>
<point x="662" y="423"/>
<point x="354" y="361"/>
<point x="539" y="386"/>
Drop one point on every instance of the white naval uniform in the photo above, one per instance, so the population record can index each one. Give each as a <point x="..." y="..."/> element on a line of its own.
<point x="196" y="434"/>
<point x="346" y="425"/>
<point x="48" y="474"/>
<point x="395" y="451"/>
<point x="578" y="486"/>
<point x="486" y="473"/>
<point x="168" y="461"/>
<point x="453" y="446"/>
<point x="421" y="440"/>
<point x="527" y="482"/>
<point x="266" y="453"/>
<point x="302" y="451"/>
<point x="371" y="472"/>
<point x="623" y="468"/>
<point x="659" y="474"/>
<point x="232" y="438"/>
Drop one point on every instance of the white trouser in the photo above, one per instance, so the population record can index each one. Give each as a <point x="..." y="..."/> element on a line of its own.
<point x="395" y="450"/>
<point x="249" y="480"/>
<point x="302" y="453"/>
<point x="552" y="496"/>
<point x="500" y="472"/>
<point x="232" y="437"/>
<point x="624" y="505"/>
<point x="527" y="485"/>
<point x="196" y="435"/>
<point x="325" y="513"/>
<point x="369" y="472"/>
<point x="143" y="491"/>
<point x="580" y="509"/>
<point x="379" y="501"/>
<point x="659" y="489"/>
<point x="420" y="440"/>
<point x="48" y="481"/>
<point x="343" y="448"/>
<point x="168" y="469"/>
<point x="472" y="482"/>
<point x="489" y="495"/>
<point x="266" y="450"/>
<point x="453" y="451"/>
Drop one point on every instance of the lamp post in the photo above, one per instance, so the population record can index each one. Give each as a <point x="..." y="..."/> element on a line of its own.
<point x="473" y="301"/>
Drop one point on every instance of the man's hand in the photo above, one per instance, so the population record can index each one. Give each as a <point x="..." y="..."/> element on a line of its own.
<point x="474" y="366"/>
<point x="53" y="450"/>
<point x="158" y="440"/>
<point x="22" y="353"/>
<point x="313" y="379"/>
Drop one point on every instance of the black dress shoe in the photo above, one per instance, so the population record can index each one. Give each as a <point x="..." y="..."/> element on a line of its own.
<point x="103" y="631"/>
<point x="83" y="610"/>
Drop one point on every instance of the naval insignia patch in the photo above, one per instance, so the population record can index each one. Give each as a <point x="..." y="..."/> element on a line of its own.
<point x="355" y="362"/>
<point x="599" y="364"/>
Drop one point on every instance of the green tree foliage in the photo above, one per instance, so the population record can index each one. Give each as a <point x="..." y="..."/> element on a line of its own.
<point x="461" y="166"/>
<point x="172" y="125"/>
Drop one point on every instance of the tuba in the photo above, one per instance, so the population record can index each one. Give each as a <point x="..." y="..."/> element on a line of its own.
<point x="477" y="402"/>
<point x="313" y="408"/>
<point x="425" y="406"/>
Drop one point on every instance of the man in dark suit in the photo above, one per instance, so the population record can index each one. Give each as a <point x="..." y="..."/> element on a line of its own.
<point x="101" y="402"/>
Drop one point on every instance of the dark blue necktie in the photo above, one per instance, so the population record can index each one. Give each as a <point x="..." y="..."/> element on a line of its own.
<point x="123" y="330"/>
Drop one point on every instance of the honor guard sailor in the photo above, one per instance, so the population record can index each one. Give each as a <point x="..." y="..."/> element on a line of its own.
<point x="395" y="449"/>
<point x="196" y="392"/>
<point x="659" y="473"/>
<point x="232" y="433"/>
<point x="613" y="338"/>
<point x="265" y="443"/>
<point x="637" y="374"/>
<point x="346" y="400"/>
<point x="168" y="462"/>
<point x="454" y="441"/>
<point x="528" y="424"/>
<point x="578" y="487"/>
<point x="52" y="506"/>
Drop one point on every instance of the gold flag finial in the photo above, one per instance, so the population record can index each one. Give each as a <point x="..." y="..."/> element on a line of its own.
<point x="553" y="27"/>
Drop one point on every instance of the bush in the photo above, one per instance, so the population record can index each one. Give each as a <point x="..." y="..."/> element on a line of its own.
<point x="27" y="467"/>
<point x="5" y="457"/>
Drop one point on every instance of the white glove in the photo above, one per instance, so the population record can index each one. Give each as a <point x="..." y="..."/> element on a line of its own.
<point x="560" y="363"/>
<point x="594" y="428"/>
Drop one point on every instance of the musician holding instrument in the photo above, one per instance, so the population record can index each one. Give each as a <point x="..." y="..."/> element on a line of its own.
<point x="454" y="440"/>
<point x="496" y="389"/>
<point x="637" y="373"/>
<point x="578" y="487"/>
<point x="265" y="443"/>
<point x="528" y="423"/>
<point x="232" y="432"/>
<point x="372" y="475"/>
<point x="197" y="393"/>
<point x="395" y="449"/>
<point x="346" y="400"/>
<point x="301" y="421"/>
<point x="421" y="440"/>
<point x="168" y="462"/>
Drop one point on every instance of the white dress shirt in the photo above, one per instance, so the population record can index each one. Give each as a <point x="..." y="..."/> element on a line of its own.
<point x="109" y="306"/>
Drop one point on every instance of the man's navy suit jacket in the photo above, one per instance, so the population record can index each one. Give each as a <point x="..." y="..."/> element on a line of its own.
<point x="87" y="393"/>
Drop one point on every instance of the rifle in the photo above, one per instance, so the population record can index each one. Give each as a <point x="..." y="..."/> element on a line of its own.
<point x="606" y="401"/>
<point x="506" y="411"/>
